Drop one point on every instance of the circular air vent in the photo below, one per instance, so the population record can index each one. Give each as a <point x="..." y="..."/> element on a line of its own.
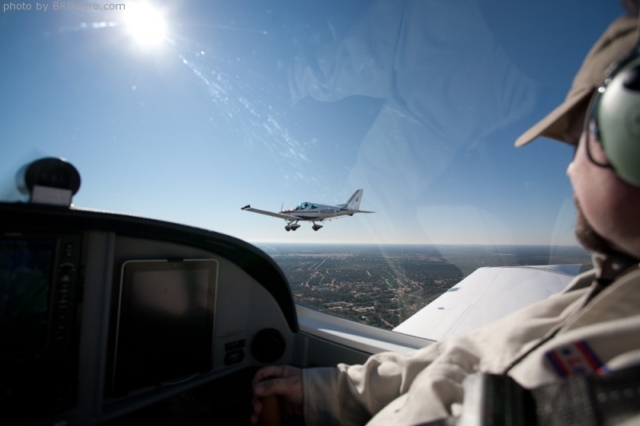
<point x="268" y="345"/>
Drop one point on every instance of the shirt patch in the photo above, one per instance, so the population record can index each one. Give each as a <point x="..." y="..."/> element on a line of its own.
<point x="576" y="358"/>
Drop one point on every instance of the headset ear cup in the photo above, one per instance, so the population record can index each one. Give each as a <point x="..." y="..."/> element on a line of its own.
<point x="631" y="79"/>
<point x="617" y="114"/>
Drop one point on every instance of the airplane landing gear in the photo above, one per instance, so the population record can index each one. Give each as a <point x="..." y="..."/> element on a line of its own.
<point x="292" y="227"/>
<point x="316" y="227"/>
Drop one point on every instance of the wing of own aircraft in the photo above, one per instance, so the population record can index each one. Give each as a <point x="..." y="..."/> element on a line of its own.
<point x="314" y="212"/>
<point x="486" y="295"/>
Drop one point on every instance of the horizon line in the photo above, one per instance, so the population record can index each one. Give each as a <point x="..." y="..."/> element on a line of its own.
<point x="415" y="244"/>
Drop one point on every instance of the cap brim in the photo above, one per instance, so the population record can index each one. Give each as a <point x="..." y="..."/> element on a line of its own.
<point x="617" y="40"/>
<point x="555" y="124"/>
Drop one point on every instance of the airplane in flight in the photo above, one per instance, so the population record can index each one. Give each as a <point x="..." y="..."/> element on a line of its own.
<point x="314" y="212"/>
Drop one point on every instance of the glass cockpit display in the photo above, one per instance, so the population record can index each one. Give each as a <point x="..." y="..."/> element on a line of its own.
<point x="25" y="285"/>
<point x="165" y="322"/>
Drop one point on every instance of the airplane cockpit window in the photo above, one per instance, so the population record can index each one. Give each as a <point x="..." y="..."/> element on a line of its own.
<point x="395" y="119"/>
<point x="301" y="206"/>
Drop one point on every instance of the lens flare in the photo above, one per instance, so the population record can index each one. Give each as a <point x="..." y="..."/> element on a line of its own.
<point x="145" y="24"/>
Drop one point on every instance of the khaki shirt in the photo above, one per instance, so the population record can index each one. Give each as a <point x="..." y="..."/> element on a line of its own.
<point x="551" y="339"/>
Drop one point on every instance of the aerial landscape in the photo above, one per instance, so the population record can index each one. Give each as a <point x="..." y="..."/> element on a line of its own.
<point x="384" y="285"/>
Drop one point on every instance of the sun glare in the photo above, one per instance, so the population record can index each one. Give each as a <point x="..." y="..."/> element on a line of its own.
<point x="145" y="24"/>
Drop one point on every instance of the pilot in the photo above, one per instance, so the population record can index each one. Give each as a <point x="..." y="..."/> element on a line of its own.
<point x="591" y="329"/>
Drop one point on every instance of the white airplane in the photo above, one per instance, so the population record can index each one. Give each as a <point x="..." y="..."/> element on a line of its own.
<point x="314" y="212"/>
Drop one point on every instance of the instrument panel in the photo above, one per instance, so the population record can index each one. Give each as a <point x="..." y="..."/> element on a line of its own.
<point x="106" y="318"/>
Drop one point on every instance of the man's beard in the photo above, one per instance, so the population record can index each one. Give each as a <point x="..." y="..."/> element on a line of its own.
<point x="587" y="236"/>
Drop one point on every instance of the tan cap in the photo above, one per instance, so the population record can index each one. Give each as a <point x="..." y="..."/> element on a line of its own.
<point x="617" y="40"/>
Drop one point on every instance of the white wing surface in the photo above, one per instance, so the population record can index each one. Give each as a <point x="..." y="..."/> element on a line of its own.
<point x="486" y="295"/>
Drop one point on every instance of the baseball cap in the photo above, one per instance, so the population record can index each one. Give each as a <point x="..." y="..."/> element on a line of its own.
<point x="617" y="40"/>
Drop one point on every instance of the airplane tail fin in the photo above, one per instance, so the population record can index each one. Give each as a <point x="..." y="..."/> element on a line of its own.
<point x="354" y="201"/>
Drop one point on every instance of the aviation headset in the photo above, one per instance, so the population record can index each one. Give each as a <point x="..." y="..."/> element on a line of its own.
<point x="614" y="118"/>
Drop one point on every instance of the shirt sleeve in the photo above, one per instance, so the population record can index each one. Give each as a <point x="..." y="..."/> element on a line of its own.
<point x="351" y="395"/>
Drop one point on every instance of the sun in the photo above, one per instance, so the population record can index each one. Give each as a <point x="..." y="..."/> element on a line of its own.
<point x="145" y="24"/>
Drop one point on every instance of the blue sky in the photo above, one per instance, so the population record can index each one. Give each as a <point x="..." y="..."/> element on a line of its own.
<point x="277" y="102"/>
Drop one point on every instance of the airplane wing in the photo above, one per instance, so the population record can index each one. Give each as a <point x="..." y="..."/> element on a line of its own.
<point x="485" y="296"/>
<point x="357" y="211"/>
<point x="248" y="208"/>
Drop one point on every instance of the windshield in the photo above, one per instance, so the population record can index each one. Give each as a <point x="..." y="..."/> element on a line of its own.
<point x="187" y="111"/>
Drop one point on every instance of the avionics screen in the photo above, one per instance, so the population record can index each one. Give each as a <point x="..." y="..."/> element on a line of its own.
<point x="25" y="285"/>
<point x="165" y="324"/>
